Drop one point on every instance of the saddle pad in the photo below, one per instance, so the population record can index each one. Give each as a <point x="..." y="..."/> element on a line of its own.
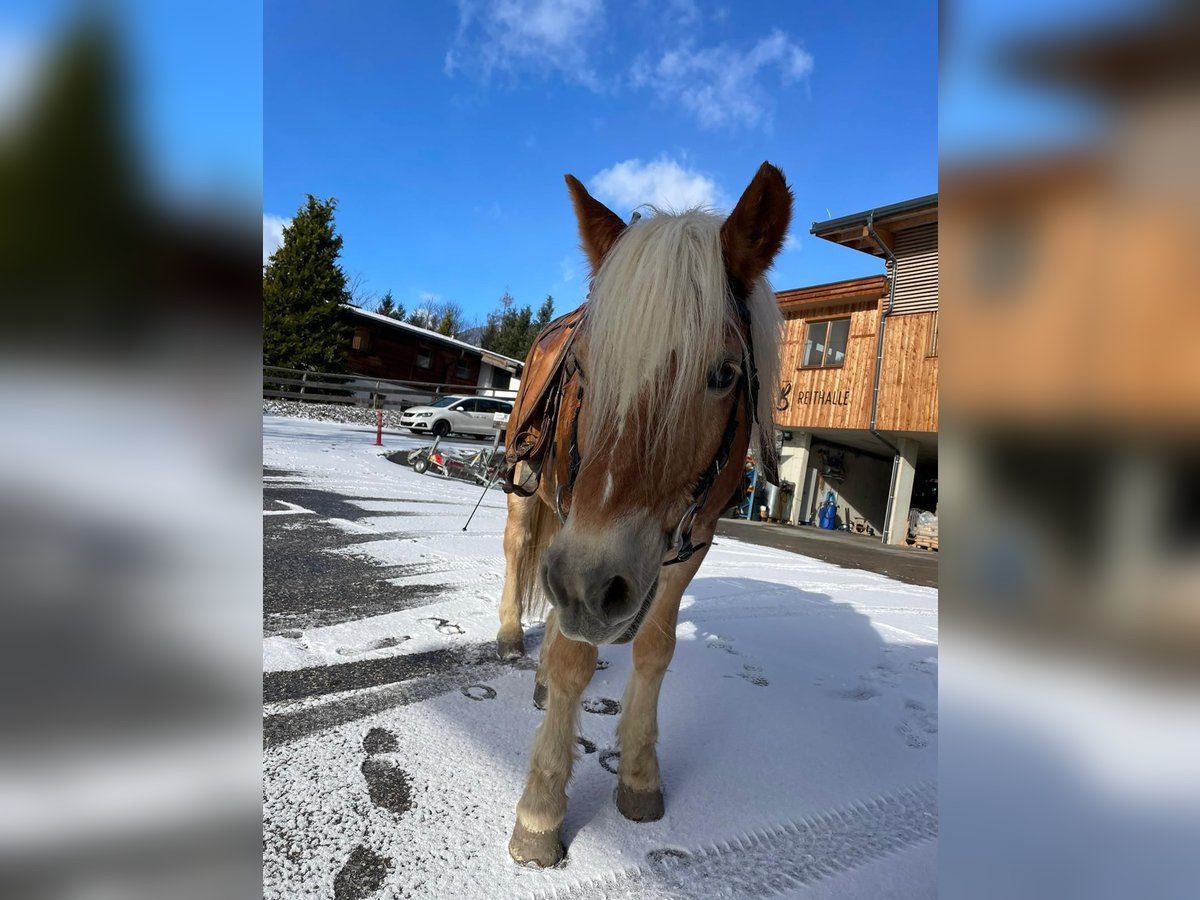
<point x="531" y="425"/>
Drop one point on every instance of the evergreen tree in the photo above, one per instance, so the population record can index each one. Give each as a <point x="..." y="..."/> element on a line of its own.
<point x="388" y="307"/>
<point x="545" y="315"/>
<point x="446" y="326"/>
<point x="303" y="286"/>
<point x="511" y="331"/>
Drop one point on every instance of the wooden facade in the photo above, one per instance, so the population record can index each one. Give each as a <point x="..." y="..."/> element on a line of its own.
<point x="839" y="397"/>
<point x="383" y="348"/>
<point x="830" y="397"/>
<point x="908" y="382"/>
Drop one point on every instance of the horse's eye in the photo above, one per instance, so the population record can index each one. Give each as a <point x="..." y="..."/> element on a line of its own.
<point x="721" y="378"/>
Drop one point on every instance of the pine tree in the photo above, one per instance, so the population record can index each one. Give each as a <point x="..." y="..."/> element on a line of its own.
<point x="545" y="314"/>
<point x="388" y="307"/>
<point x="303" y="286"/>
<point x="511" y="331"/>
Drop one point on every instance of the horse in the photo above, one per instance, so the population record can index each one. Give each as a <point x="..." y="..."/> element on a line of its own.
<point x="617" y="468"/>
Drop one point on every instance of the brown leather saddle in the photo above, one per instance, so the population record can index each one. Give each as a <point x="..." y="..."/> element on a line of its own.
<point x="531" y="426"/>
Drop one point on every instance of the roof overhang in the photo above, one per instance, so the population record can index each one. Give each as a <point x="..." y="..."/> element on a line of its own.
<point x="500" y="362"/>
<point x="854" y="290"/>
<point x="851" y="230"/>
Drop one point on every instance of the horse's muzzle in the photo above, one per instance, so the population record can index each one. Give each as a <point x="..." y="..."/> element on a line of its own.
<point x="601" y="589"/>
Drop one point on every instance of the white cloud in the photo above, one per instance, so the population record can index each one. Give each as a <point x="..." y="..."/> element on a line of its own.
<point x="273" y="234"/>
<point x="527" y="35"/>
<point x="791" y="243"/>
<point x="662" y="182"/>
<point x="721" y="86"/>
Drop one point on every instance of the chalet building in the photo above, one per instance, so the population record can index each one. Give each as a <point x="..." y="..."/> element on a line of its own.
<point x="859" y="372"/>
<point x="383" y="347"/>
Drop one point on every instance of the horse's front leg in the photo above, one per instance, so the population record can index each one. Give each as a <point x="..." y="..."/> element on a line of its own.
<point x="568" y="669"/>
<point x="639" y="783"/>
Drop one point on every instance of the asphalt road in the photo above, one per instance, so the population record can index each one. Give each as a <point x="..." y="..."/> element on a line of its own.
<point x="305" y="586"/>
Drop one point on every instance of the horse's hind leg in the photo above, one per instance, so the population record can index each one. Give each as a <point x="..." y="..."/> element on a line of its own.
<point x="535" y="839"/>
<point x="639" y="784"/>
<point x="519" y="542"/>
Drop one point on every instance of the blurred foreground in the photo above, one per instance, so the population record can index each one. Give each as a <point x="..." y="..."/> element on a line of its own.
<point x="129" y="531"/>
<point x="1071" y="578"/>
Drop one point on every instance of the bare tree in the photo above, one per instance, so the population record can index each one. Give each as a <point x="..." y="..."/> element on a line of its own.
<point x="360" y="295"/>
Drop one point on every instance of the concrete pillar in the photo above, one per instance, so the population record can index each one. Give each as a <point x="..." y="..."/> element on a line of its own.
<point x="904" y="469"/>
<point x="793" y="466"/>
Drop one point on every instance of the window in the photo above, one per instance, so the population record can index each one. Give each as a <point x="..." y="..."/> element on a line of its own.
<point x="468" y="406"/>
<point x="361" y="339"/>
<point x="423" y="359"/>
<point x="461" y="370"/>
<point x="825" y="343"/>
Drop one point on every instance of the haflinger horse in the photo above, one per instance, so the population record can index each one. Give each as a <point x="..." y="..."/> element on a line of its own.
<point x="630" y="410"/>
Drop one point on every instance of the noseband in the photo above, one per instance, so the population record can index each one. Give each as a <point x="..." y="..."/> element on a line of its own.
<point x="680" y="541"/>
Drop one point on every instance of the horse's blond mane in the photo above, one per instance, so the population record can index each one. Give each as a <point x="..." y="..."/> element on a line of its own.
<point x="659" y="311"/>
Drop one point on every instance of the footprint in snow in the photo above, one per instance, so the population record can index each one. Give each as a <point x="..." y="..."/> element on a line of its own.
<point x="383" y="643"/>
<point x="610" y="760"/>
<point x="667" y="855"/>
<point x="361" y="875"/>
<point x="445" y="626"/>
<point x="479" y="692"/>
<point x="918" y="722"/>
<point x="387" y="783"/>
<point x="752" y="674"/>
<point x="927" y="666"/>
<point x="717" y="643"/>
<point x="601" y="706"/>
<point x="856" y="694"/>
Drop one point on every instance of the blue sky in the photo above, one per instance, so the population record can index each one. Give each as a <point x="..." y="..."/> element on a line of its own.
<point x="444" y="130"/>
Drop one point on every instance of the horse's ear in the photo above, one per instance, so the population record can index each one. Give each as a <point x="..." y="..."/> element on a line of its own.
<point x="754" y="232"/>
<point x="599" y="226"/>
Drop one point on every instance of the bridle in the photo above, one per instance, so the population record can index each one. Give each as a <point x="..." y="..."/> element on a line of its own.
<point x="680" y="541"/>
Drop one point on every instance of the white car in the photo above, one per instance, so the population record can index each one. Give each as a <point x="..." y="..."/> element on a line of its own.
<point x="448" y="415"/>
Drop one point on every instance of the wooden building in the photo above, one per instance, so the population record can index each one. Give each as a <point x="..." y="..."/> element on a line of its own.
<point x="859" y="373"/>
<point x="383" y="347"/>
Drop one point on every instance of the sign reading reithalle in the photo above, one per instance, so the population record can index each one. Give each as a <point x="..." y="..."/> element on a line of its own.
<point x="822" y="398"/>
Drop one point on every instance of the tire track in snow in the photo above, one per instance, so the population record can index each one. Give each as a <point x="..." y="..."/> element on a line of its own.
<point x="775" y="860"/>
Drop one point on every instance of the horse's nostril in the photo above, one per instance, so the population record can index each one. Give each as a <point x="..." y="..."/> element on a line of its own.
<point x="616" y="594"/>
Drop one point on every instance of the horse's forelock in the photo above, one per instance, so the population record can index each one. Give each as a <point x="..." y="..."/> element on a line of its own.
<point x="657" y="320"/>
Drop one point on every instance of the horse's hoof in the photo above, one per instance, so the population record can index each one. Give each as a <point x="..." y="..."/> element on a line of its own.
<point x="639" y="806"/>
<point x="510" y="649"/>
<point x="539" y="695"/>
<point x="536" y="849"/>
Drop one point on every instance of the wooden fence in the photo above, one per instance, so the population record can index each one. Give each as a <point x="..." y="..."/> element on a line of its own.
<point x="281" y="383"/>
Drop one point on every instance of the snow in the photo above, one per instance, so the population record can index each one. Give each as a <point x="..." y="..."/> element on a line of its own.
<point x="798" y="720"/>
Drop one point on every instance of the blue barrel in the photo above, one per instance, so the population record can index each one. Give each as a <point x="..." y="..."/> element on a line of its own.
<point x="826" y="516"/>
